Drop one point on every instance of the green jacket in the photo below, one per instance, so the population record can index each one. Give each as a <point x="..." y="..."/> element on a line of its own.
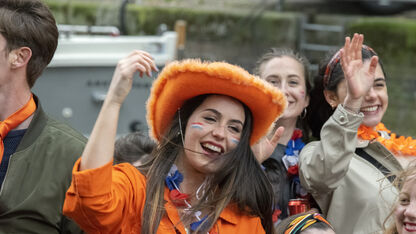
<point x="38" y="175"/>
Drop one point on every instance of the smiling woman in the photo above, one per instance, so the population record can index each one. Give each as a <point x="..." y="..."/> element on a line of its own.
<point x="345" y="169"/>
<point x="204" y="117"/>
<point x="404" y="211"/>
<point x="288" y="71"/>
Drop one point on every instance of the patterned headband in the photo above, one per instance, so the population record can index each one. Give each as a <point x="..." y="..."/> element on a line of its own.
<point x="304" y="221"/>
<point x="335" y="60"/>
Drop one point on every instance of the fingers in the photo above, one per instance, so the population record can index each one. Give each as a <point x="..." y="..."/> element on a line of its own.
<point x="277" y="134"/>
<point x="373" y="65"/>
<point x="344" y="61"/>
<point x="345" y="51"/>
<point x="356" y="46"/>
<point x="140" y="61"/>
<point x="359" y="47"/>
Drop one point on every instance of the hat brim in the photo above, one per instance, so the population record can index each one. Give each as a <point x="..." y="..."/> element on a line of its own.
<point x="180" y="81"/>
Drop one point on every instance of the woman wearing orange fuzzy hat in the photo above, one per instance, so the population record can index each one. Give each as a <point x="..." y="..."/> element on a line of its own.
<point x="202" y="176"/>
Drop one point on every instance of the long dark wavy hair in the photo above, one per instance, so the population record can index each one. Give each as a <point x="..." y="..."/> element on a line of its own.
<point x="319" y="109"/>
<point x="239" y="181"/>
<point x="275" y="170"/>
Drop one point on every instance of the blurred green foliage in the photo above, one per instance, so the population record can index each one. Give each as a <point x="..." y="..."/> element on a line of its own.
<point x="237" y="26"/>
<point x="241" y="36"/>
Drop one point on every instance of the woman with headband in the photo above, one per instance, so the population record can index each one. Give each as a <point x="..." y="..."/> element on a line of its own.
<point x="202" y="176"/>
<point x="344" y="171"/>
<point x="305" y="223"/>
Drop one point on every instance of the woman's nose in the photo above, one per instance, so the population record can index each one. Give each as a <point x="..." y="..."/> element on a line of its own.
<point x="219" y="131"/>
<point x="410" y="211"/>
<point x="371" y="94"/>
<point x="283" y="88"/>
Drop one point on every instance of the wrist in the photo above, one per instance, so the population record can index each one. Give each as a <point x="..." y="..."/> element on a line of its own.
<point x="111" y="103"/>
<point x="352" y="104"/>
<point x="351" y="109"/>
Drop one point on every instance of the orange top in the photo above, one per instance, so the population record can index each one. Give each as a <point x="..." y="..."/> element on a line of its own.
<point x="110" y="199"/>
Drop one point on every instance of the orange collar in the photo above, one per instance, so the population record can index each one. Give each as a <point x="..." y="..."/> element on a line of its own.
<point x="396" y="145"/>
<point x="15" y="120"/>
<point x="228" y="214"/>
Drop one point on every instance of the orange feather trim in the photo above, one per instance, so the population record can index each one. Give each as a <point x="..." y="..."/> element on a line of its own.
<point x="396" y="145"/>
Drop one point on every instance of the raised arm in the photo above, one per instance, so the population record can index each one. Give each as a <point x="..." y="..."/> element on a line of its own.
<point x="324" y="164"/>
<point x="100" y="146"/>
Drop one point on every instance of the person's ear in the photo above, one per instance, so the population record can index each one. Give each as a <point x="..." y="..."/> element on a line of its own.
<point x="20" y="57"/>
<point x="332" y="98"/>
<point x="307" y="99"/>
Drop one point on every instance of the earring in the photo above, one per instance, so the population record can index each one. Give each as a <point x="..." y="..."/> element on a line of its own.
<point x="303" y="114"/>
<point x="180" y="126"/>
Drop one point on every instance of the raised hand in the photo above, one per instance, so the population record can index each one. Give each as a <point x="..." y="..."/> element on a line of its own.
<point x="100" y="146"/>
<point x="264" y="148"/>
<point x="121" y="83"/>
<point x="359" y="76"/>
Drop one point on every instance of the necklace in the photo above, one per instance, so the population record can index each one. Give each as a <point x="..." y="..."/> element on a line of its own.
<point x="397" y="145"/>
<point x="172" y="181"/>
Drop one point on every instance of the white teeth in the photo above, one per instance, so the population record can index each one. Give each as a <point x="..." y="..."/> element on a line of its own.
<point x="410" y="227"/>
<point x="368" y="109"/>
<point x="212" y="147"/>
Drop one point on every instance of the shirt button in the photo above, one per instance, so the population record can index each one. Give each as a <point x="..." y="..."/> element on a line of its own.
<point x="342" y="119"/>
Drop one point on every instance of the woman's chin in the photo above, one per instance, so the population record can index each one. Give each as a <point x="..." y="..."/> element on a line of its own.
<point x="371" y="121"/>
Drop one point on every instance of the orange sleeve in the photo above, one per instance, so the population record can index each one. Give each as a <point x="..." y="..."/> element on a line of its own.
<point x="106" y="199"/>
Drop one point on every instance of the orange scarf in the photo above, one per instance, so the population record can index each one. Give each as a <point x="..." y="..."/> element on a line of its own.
<point x="15" y="120"/>
<point x="396" y="145"/>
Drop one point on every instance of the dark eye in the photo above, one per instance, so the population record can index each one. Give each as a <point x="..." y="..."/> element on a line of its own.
<point x="209" y="118"/>
<point x="293" y="82"/>
<point x="404" y="201"/>
<point x="379" y="84"/>
<point x="273" y="81"/>
<point x="234" y="129"/>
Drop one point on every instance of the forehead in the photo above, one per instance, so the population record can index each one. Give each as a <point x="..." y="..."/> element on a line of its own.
<point x="379" y="69"/>
<point x="224" y="104"/>
<point x="410" y="184"/>
<point x="282" y="64"/>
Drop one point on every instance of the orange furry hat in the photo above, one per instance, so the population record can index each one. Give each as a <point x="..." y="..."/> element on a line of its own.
<point x="180" y="81"/>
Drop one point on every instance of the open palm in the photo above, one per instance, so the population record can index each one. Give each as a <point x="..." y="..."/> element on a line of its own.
<point x="359" y="76"/>
<point x="264" y="148"/>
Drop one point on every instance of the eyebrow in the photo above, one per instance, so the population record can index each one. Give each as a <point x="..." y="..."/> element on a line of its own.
<point x="404" y="193"/>
<point x="219" y="114"/>
<point x="380" y="79"/>
<point x="272" y="76"/>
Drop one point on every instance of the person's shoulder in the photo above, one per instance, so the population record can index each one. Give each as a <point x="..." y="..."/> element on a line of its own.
<point x="310" y="145"/>
<point x="130" y="171"/>
<point x="63" y="131"/>
<point x="232" y="214"/>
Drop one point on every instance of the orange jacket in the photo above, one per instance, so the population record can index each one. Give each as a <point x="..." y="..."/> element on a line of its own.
<point x="110" y="199"/>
